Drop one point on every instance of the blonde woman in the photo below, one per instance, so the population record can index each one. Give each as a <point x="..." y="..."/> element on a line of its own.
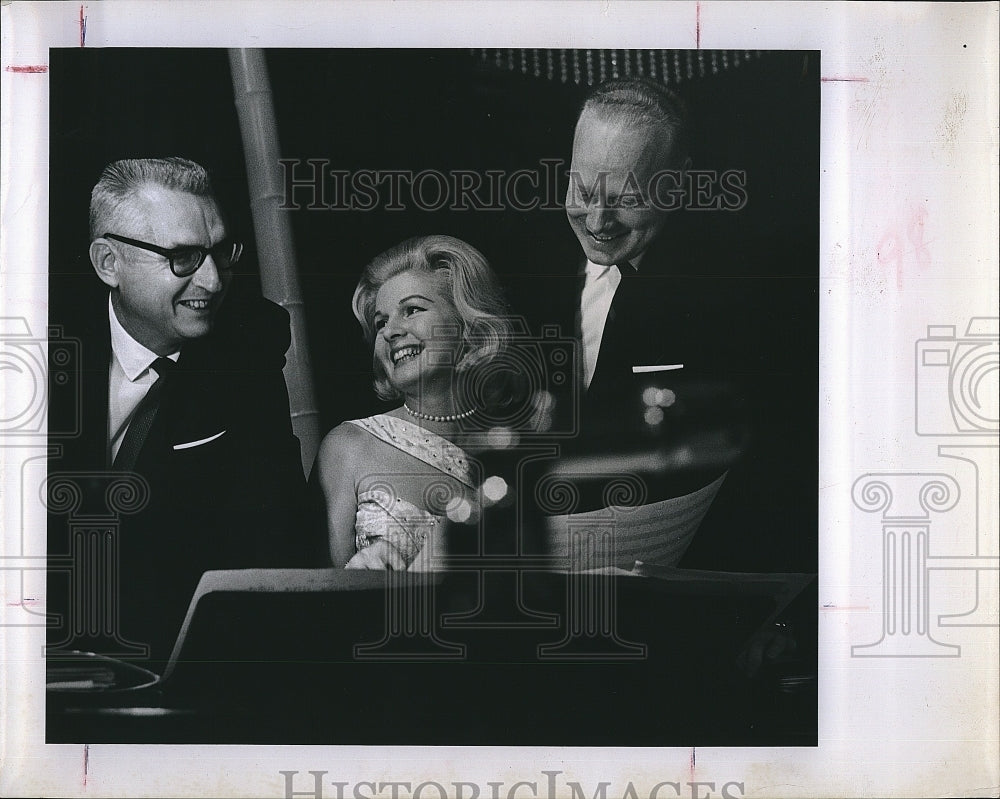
<point x="433" y="313"/>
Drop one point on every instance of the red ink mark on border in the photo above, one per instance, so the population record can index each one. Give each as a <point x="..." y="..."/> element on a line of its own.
<point x="28" y="69"/>
<point x="844" y="80"/>
<point x="915" y="235"/>
<point x="697" y="25"/>
<point x="86" y="763"/>
<point x="83" y="28"/>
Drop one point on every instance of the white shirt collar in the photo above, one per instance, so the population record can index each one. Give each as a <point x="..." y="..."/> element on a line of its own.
<point x="133" y="357"/>
<point x="595" y="271"/>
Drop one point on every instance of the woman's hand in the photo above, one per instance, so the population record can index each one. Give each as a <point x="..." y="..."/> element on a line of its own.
<point x="379" y="556"/>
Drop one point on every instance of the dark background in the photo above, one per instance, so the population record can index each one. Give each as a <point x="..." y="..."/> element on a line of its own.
<point x="417" y="109"/>
<point x="457" y="110"/>
<point x="454" y="110"/>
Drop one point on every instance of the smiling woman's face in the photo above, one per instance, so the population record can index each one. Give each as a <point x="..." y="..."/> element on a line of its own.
<point x="417" y="333"/>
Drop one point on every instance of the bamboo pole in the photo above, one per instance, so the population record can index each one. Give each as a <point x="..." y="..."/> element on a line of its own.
<point x="278" y="270"/>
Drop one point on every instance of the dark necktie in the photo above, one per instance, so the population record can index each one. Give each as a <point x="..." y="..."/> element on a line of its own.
<point x="626" y="270"/>
<point x="610" y="343"/>
<point x="615" y="347"/>
<point x="142" y="419"/>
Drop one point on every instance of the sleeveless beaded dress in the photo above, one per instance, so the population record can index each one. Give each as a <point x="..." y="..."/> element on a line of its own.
<point x="383" y="514"/>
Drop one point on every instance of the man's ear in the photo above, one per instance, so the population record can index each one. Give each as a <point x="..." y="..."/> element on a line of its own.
<point x="104" y="261"/>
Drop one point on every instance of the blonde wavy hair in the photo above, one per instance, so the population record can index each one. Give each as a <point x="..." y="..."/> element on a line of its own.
<point x="462" y="276"/>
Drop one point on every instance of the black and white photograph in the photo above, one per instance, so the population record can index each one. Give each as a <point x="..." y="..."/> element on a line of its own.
<point x="434" y="405"/>
<point x="549" y="328"/>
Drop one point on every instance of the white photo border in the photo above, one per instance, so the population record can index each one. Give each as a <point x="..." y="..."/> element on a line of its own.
<point x="909" y="210"/>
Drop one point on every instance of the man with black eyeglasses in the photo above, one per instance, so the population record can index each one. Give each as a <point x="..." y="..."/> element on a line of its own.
<point x="186" y="459"/>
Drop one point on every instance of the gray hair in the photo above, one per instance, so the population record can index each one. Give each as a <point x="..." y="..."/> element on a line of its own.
<point x="643" y="102"/>
<point x="120" y="180"/>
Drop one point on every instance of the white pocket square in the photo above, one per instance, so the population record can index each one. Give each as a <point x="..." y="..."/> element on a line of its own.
<point x="199" y="442"/>
<point x="666" y="367"/>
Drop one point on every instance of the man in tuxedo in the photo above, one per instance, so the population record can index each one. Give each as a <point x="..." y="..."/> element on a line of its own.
<point x="683" y="349"/>
<point x="186" y="459"/>
<point x="627" y="133"/>
<point x="656" y="339"/>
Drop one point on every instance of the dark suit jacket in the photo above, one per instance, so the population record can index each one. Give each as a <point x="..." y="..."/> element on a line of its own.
<point x="746" y="399"/>
<point x="230" y="502"/>
<point x="672" y="311"/>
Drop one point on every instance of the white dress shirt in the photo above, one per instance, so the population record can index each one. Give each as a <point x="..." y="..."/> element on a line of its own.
<point x="598" y="293"/>
<point x="131" y="375"/>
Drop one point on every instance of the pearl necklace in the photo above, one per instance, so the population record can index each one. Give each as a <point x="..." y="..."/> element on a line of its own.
<point x="429" y="417"/>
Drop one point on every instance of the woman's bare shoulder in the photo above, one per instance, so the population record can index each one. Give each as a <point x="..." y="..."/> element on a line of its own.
<point x="343" y="443"/>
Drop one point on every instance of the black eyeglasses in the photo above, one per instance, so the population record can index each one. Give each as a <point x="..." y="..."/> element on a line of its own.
<point x="186" y="260"/>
